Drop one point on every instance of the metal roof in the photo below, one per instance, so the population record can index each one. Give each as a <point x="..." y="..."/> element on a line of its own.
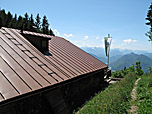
<point x="24" y="69"/>
<point x="35" y="34"/>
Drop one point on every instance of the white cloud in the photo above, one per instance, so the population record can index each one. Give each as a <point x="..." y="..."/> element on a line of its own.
<point x="76" y="41"/>
<point x="56" y="32"/>
<point x="129" y="41"/>
<point x="85" y="37"/>
<point x="102" y="40"/>
<point x="91" y="46"/>
<point x="97" y="37"/>
<point x="66" y="35"/>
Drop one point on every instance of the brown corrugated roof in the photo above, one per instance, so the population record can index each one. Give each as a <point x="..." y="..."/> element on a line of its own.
<point x="35" y="34"/>
<point x="24" y="69"/>
<point x="74" y="60"/>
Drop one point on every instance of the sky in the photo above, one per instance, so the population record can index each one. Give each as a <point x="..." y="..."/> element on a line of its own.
<point x="85" y="23"/>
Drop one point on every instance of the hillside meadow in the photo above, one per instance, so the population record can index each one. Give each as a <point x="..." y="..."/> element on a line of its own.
<point x="116" y="98"/>
<point x="113" y="100"/>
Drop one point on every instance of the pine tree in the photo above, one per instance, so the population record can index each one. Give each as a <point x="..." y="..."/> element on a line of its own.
<point x="132" y="68"/>
<point x="149" y="19"/>
<point x="0" y="22"/>
<point x="20" y="22"/>
<point x="125" y="71"/>
<point x="25" y="22"/>
<point x="150" y="69"/>
<point x="139" y="70"/>
<point x="15" y="21"/>
<point x="15" y="18"/>
<point x="31" y="23"/>
<point x="51" y="32"/>
<point x="8" y="19"/>
<point x="38" y="22"/>
<point x="45" y="25"/>
<point x="3" y="17"/>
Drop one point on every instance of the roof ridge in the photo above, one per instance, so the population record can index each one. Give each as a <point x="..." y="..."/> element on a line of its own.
<point x="30" y="32"/>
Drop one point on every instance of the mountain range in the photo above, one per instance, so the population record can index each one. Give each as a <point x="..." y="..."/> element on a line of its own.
<point x="122" y="58"/>
<point x="129" y="59"/>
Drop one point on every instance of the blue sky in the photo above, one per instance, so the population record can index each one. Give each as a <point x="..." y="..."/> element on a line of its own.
<point x="87" y="22"/>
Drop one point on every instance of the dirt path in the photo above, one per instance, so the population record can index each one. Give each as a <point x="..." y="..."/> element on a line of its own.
<point x="134" y="108"/>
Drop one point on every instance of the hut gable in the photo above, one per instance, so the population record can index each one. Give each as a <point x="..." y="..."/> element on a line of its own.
<point x="28" y="68"/>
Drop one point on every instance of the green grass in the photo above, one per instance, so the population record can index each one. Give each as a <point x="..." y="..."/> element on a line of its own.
<point x="114" y="100"/>
<point x="144" y="97"/>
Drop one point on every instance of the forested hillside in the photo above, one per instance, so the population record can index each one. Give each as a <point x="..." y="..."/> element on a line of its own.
<point x="129" y="59"/>
<point x="25" y="23"/>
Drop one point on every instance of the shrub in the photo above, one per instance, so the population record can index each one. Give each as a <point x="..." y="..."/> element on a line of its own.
<point x="150" y="70"/>
<point x="132" y="69"/>
<point x="138" y="70"/>
<point x="117" y="74"/>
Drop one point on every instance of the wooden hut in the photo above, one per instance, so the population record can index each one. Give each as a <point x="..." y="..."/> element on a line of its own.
<point x="43" y="74"/>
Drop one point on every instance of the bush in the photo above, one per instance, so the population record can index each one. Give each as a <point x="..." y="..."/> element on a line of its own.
<point x="138" y="70"/>
<point x="132" y="69"/>
<point x="117" y="74"/>
<point x="120" y="73"/>
<point x="150" y="70"/>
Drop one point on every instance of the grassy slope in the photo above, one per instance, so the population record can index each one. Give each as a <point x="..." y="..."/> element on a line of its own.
<point x="114" y="100"/>
<point x="144" y="97"/>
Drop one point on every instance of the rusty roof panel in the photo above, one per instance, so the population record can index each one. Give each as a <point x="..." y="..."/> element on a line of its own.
<point x="16" y="69"/>
<point x="16" y="80"/>
<point x="22" y="54"/>
<point x="25" y="69"/>
<point x="79" y="62"/>
<point x="69" y="61"/>
<point x="53" y="66"/>
<point x="5" y="86"/>
<point x="77" y="58"/>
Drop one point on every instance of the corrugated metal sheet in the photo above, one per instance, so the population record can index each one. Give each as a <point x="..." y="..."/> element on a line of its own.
<point x="24" y="69"/>
<point x="72" y="59"/>
<point x="36" y="34"/>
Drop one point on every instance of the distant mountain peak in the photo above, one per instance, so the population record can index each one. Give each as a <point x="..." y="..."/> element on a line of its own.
<point x="131" y="58"/>
<point x="133" y="53"/>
